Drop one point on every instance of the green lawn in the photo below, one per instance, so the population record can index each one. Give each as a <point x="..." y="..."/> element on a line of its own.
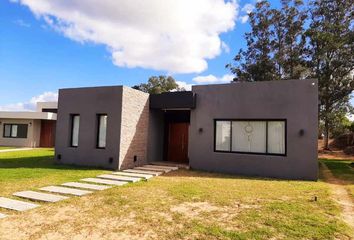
<point x="4" y="148"/>
<point x="341" y="169"/>
<point x="179" y="205"/>
<point x="25" y="170"/>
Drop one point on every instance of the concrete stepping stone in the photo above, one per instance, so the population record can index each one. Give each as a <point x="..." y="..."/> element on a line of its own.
<point x="104" y="181"/>
<point x="2" y="215"/>
<point x="143" y="172"/>
<point x="161" y="167"/>
<point x="38" y="196"/>
<point x="65" y="190"/>
<point x="139" y="175"/>
<point x="119" y="178"/>
<point x="153" y="169"/>
<point x="16" y="204"/>
<point x="85" y="186"/>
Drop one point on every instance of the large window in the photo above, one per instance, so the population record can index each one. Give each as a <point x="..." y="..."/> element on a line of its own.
<point x="251" y="136"/>
<point x="101" y="130"/>
<point x="75" y="126"/>
<point x="15" y="130"/>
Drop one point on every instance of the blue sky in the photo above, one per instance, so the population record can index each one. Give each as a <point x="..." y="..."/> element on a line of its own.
<point x="42" y="50"/>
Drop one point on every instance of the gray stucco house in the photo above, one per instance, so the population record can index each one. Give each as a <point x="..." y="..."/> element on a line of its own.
<point x="266" y="129"/>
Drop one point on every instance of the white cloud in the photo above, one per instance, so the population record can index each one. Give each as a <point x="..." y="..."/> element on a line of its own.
<point x="175" y="36"/>
<point x="186" y="86"/>
<point x="31" y="104"/>
<point x="22" y="23"/>
<point x="246" y="9"/>
<point x="213" y="79"/>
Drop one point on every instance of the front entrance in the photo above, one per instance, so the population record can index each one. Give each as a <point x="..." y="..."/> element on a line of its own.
<point x="47" y="133"/>
<point x="178" y="142"/>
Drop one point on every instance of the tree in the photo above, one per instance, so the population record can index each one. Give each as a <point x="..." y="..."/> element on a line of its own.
<point x="330" y="56"/>
<point x="255" y="63"/>
<point x="160" y="84"/>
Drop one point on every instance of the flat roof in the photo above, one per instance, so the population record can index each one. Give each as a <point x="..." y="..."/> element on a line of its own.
<point x="28" y="115"/>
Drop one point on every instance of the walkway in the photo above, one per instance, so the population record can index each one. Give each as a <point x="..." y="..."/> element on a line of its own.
<point x="86" y="186"/>
<point x="15" y="149"/>
<point x="340" y="195"/>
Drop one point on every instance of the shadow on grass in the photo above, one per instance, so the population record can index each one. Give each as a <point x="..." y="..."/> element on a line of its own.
<point x="45" y="162"/>
<point x="341" y="169"/>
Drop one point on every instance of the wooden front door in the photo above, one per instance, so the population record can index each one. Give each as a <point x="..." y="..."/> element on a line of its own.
<point x="47" y="133"/>
<point x="178" y="142"/>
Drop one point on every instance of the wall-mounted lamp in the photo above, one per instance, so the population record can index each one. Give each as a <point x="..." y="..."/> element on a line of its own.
<point x="200" y="130"/>
<point x="30" y="124"/>
<point x="110" y="160"/>
<point x="301" y="132"/>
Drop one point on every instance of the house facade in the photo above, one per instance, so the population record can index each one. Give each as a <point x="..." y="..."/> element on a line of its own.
<point x="29" y="129"/>
<point x="266" y="129"/>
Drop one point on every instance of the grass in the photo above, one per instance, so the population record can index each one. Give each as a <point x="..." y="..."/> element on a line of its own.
<point x="342" y="170"/>
<point x="179" y="205"/>
<point x="5" y="148"/>
<point x="25" y="170"/>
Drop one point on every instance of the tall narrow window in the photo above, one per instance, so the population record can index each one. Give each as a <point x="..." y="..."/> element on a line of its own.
<point x="102" y="130"/>
<point x="75" y="125"/>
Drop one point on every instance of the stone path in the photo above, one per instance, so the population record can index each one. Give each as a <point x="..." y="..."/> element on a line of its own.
<point x="15" y="149"/>
<point x="140" y="175"/>
<point x="38" y="196"/>
<point x="65" y="190"/>
<point x="101" y="182"/>
<point x="16" y="205"/>
<point x="120" y="178"/>
<point x="85" y="186"/>
<point x="340" y="195"/>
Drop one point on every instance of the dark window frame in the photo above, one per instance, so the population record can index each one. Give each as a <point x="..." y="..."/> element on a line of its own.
<point x="253" y="120"/>
<point x="98" y="123"/>
<point x="15" y="124"/>
<point x="72" y="116"/>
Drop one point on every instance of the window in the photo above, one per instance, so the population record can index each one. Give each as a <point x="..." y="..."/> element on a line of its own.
<point x="251" y="136"/>
<point x="75" y="125"/>
<point x="15" y="130"/>
<point x="102" y="130"/>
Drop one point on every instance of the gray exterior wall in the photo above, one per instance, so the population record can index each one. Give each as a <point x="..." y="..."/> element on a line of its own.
<point x="127" y="126"/>
<point x="294" y="100"/>
<point x="156" y="136"/>
<point x="88" y="102"/>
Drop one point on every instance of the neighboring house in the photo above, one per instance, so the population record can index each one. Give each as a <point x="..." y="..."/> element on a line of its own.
<point x="266" y="129"/>
<point x="29" y="129"/>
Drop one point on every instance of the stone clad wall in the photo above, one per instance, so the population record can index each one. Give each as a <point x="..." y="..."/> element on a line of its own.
<point x="134" y="128"/>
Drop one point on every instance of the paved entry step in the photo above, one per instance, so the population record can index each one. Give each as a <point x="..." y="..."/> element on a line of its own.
<point x="2" y="215"/>
<point x="104" y="181"/>
<point x="139" y="175"/>
<point x="16" y="205"/>
<point x="65" y="190"/>
<point x="120" y="178"/>
<point x="153" y="169"/>
<point x="38" y="196"/>
<point x="143" y="172"/>
<point x="161" y="167"/>
<point x="85" y="186"/>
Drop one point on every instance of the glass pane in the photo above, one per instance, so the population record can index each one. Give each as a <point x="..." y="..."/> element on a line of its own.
<point x="7" y="130"/>
<point x="14" y="131"/>
<point x="276" y="137"/>
<point x="22" y="130"/>
<point x="249" y="136"/>
<point x="222" y="142"/>
<point x="75" y="131"/>
<point x="102" y="131"/>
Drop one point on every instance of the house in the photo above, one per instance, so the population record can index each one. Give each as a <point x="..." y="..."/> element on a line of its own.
<point x="266" y="129"/>
<point x="29" y="129"/>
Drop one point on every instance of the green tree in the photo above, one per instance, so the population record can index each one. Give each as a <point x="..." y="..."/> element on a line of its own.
<point x="330" y="56"/>
<point x="160" y="84"/>
<point x="255" y="63"/>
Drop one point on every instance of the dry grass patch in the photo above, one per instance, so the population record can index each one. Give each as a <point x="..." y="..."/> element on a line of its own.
<point x="188" y="205"/>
